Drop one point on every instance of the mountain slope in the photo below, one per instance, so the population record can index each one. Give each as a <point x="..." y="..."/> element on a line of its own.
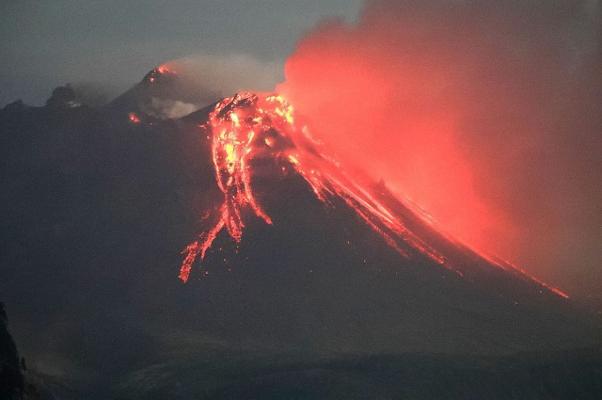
<point x="321" y="261"/>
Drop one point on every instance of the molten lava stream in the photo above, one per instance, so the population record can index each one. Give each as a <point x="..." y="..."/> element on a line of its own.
<point x="246" y="125"/>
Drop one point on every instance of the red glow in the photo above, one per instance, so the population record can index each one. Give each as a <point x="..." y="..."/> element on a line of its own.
<point x="246" y="126"/>
<point x="410" y="144"/>
<point x="243" y="126"/>
<point x="447" y="103"/>
<point x="162" y="69"/>
<point x="133" y="117"/>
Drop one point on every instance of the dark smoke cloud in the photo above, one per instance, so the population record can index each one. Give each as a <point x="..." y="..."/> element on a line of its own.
<point x="488" y="113"/>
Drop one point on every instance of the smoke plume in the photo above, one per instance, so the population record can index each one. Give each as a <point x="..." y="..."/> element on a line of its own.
<point x="485" y="113"/>
<point x="223" y="75"/>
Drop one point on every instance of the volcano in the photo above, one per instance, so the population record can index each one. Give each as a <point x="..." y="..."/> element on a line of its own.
<point x="341" y="264"/>
<point x="249" y="132"/>
<point x="164" y="92"/>
<point x="292" y="266"/>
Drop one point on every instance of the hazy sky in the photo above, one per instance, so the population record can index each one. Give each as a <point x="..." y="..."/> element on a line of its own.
<point x="44" y="44"/>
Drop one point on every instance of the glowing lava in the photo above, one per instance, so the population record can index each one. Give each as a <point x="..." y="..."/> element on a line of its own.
<point x="248" y="126"/>
<point x="158" y="72"/>
<point x="134" y="118"/>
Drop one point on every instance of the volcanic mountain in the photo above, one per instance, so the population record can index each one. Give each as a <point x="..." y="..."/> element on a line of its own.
<point x="288" y="259"/>
<point x="165" y="92"/>
<point x="351" y="266"/>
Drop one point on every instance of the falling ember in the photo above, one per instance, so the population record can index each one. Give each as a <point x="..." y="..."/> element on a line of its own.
<point x="134" y="118"/>
<point x="246" y="125"/>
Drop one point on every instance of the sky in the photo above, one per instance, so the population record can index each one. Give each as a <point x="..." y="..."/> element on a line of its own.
<point x="114" y="43"/>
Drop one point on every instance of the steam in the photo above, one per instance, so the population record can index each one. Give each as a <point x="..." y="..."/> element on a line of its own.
<point x="168" y="108"/>
<point x="487" y="114"/>
<point x="224" y="75"/>
<point x="93" y="94"/>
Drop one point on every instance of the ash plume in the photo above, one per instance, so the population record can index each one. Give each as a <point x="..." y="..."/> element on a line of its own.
<point x="487" y="114"/>
<point x="224" y="75"/>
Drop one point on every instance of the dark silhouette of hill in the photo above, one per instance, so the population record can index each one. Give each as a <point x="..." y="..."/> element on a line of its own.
<point x="16" y="381"/>
<point x="11" y="377"/>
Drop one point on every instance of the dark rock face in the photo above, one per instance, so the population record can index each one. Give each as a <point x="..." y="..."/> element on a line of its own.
<point x="11" y="376"/>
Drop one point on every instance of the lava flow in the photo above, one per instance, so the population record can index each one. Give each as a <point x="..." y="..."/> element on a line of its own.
<point x="248" y="125"/>
<point x="158" y="73"/>
<point x="242" y="126"/>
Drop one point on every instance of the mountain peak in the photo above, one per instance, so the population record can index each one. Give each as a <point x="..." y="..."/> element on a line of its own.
<point x="159" y="75"/>
<point x="163" y="93"/>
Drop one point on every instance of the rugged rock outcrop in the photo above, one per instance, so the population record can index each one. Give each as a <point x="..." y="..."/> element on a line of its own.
<point x="11" y="376"/>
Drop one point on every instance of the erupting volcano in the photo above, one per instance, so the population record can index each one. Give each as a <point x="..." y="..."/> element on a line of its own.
<point x="265" y="200"/>
<point x="248" y="127"/>
<point x="294" y="253"/>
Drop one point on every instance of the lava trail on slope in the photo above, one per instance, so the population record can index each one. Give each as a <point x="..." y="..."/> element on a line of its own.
<point x="250" y="126"/>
